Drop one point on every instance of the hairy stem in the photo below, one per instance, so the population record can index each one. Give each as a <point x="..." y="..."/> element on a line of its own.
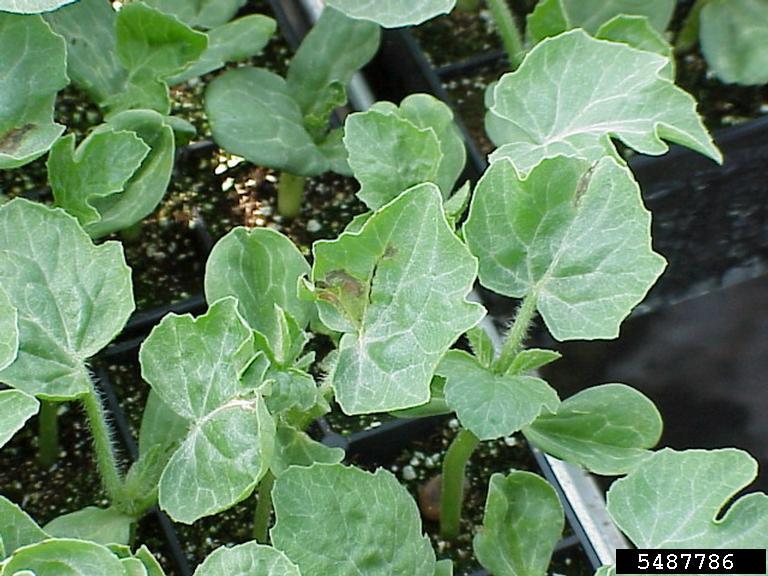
<point x="452" y="492"/>
<point x="689" y="33"/>
<point x="263" y="509"/>
<point x="48" y="433"/>
<point x="104" y="448"/>
<point x="290" y="193"/>
<point x="508" y="30"/>
<point x="513" y="342"/>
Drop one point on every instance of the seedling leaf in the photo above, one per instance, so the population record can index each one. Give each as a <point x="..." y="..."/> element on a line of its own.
<point x="523" y="521"/>
<point x="200" y="13"/>
<point x="608" y="429"/>
<point x="675" y="500"/>
<point x="72" y="297"/>
<point x="295" y="448"/>
<point x="377" y="528"/>
<point x="394" y="13"/>
<point x="16" y="408"/>
<point x="247" y="560"/>
<point x="32" y="71"/>
<point x="64" y="557"/>
<point x="17" y="529"/>
<point x="100" y="525"/>
<point x="397" y="289"/>
<point x="9" y="330"/>
<point x="531" y="359"/>
<point x="533" y="117"/>
<point x="492" y="405"/>
<point x="637" y="32"/>
<point x="194" y="365"/>
<point x="261" y="268"/>
<point x="575" y="236"/>
<point x="32" y="6"/>
<point x="733" y="38"/>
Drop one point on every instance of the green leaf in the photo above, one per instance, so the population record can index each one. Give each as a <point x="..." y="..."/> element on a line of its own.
<point x="231" y="42"/>
<point x="436" y="406"/>
<point x="72" y="298"/>
<point x="133" y="567"/>
<point x="532" y="117"/>
<point x="200" y="13"/>
<point x="247" y="559"/>
<point x="254" y="114"/>
<point x="88" y="26"/>
<point x="9" y="330"/>
<point x="492" y="405"/>
<point x="733" y="37"/>
<point x="194" y="365"/>
<point x="676" y="500"/>
<point x="376" y="524"/>
<point x="392" y="149"/>
<point x="291" y="389"/>
<point x="296" y="448"/>
<point x="531" y="359"/>
<point x="575" y="236"/>
<point x="150" y="562"/>
<point x="335" y="48"/>
<point x="146" y="187"/>
<point x="261" y="268"/>
<point x="457" y="204"/>
<point x="397" y="289"/>
<point x="32" y="6"/>
<point x="100" y="525"/>
<point x="16" y="408"/>
<point x="32" y="71"/>
<point x="17" y="528"/>
<point x="394" y="13"/>
<point x="101" y="166"/>
<point x="638" y="33"/>
<point x="551" y="17"/>
<point x="523" y="521"/>
<point x="152" y="46"/>
<point x="160" y="426"/>
<point x="608" y="429"/>
<point x="444" y="567"/>
<point x="482" y="346"/>
<point x="65" y="557"/>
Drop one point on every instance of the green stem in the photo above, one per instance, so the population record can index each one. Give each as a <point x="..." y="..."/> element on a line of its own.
<point x="467" y="5"/>
<point x="104" y="448"/>
<point x="290" y="193"/>
<point x="452" y="490"/>
<point x="513" y="342"/>
<point x="510" y="34"/>
<point x="48" y="433"/>
<point x="689" y="33"/>
<point x="263" y="509"/>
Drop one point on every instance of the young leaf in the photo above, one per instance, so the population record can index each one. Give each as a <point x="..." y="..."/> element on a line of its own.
<point x="88" y="26"/>
<point x="247" y="559"/>
<point x="194" y="365"/>
<point x="146" y="187"/>
<point x="394" y="13"/>
<point x="551" y="17"/>
<point x="444" y="567"/>
<point x="32" y="71"/>
<point x="160" y="426"/>
<point x="150" y="562"/>
<point x="32" y="6"/>
<point x="424" y="145"/>
<point x="100" y="525"/>
<point x="523" y="521"/>
<point x="482" y="346"/>
<point x="72" y="297"/>
<point x="291" y="389"/>
<point x="16" y="408"/>
<point x="638" y="33"/>
<point x="295" y="448"/>
<point x="335" y="48"/>
<point x="253" y="114"/>
<point x="64" y="557"/>
<point x="377" y="529"/>
<point x="230" y="42"/>
<point x="532" y="117"/>
<point x="457" y="204"/>
<point x="676" y="499"/>
<point x="9" y="330"/>
<point x="101" y="166"/>
<point x="200" y="13"/>
<point x="575" y="236"/>
<point x="397" y="289"/>
<point x="492" y="405"/>
<point x="261" y="268"/>
<point x="531" y="359"/>
<point x="608" y="429"/>
<point x="152" y="46"/>
<point x="436" y="406"/>
<point x="733" y="37"/>
<point x="17" y="529"/>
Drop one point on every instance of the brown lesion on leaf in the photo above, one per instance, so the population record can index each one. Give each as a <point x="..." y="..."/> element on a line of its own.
<point x="344" y="291"/>
<point x="583" y="185"/>
<point x="11" y="140"/>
